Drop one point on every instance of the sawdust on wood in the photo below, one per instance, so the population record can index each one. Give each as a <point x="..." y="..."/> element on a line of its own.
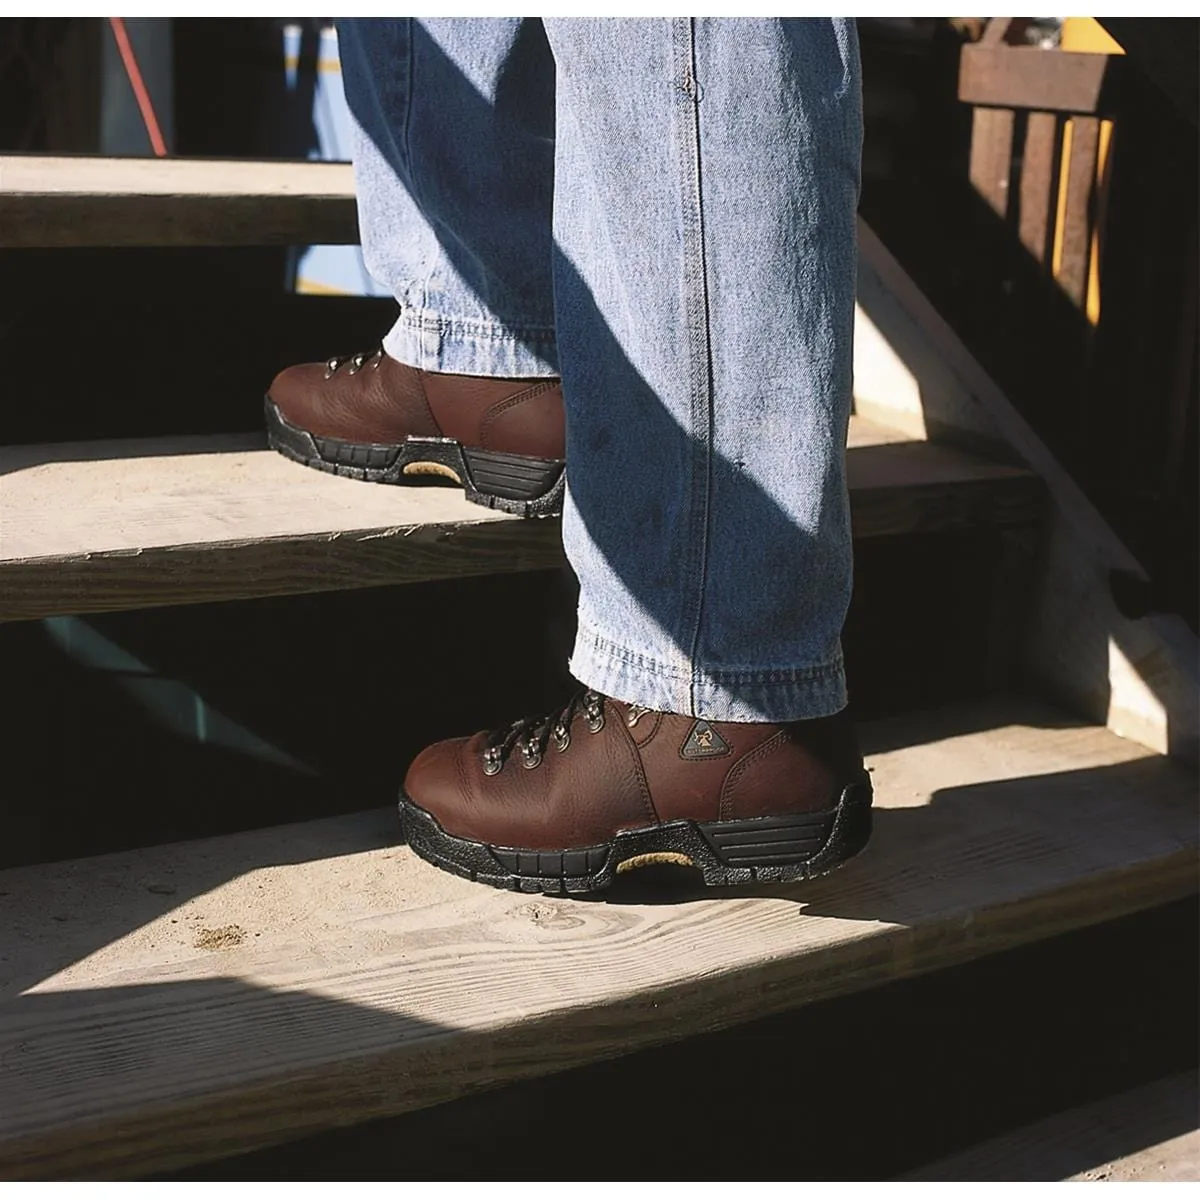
<point x="222" y="938"/>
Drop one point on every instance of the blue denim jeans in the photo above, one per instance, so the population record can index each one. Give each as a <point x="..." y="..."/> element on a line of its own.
<point x="663" y="212"/>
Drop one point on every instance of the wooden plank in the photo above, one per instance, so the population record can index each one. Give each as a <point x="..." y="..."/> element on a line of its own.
<point x="1148" y="1134"/>
<point x="991" y="156"/>
<point x="1044" y="80"/>
<point x="1039" y="174"/>
<point x="103" y="526"/>
<point x="184" y="1002"/>
<point x="82" y="201"/>
<point x="1082" y="145"/>
<point x="107" y="526"/>
<point x="995" y="33"/>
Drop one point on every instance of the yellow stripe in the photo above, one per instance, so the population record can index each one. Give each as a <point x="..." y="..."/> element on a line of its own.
<point x="310" y="287"/>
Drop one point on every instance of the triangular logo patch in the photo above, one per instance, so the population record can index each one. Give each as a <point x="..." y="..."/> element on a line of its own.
<point x="703" y="742"/>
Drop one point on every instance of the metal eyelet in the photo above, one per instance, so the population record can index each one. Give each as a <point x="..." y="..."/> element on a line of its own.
<point x="562" y="738"/>
<point x="492" y="762"/>
<point x="531" y="756"/>
<point x="593" y="708"/>
<point x="356" y="364"/>
<point x="635" y="713"/>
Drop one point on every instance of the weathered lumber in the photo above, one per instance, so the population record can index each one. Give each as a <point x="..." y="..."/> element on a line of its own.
<point x="84" y="201"/>
<point x="189" y="1001"/>
<point x="1044" y="80"/>
<point x="103" y="526"/>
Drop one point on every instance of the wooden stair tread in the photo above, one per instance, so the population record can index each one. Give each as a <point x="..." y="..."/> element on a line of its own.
<point x="161" y="1006"/>
<point x="48" y="201"/>
<point x="1149" y="1134"/>
<point x="117" y="525"/>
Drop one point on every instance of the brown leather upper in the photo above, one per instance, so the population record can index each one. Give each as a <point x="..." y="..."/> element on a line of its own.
<point x="386" y="401"/>
<point x="635" y="772"/>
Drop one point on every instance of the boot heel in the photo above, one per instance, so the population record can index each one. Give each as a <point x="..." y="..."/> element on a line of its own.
<point x="797" y="846"/>
<point x="516" y="483"/>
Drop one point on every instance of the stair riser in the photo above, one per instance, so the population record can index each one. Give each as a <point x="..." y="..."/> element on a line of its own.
<point x="340" y="683"/>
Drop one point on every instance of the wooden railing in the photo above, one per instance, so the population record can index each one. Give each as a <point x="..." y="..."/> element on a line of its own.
<point x="1040" y="137"/>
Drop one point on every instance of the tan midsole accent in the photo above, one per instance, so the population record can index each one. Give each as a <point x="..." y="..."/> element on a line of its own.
<point x="431" y="468"/>
<point x="656" y="859"/>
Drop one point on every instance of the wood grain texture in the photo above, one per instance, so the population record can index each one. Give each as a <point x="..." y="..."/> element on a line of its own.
<point x="86" y="201"/>
<point x="990" y="165"/>
<point x="1045" y="80"/>
<point x="108" y="526"/>
<point x="103" y="526"/>
<point x="183" y="1002"/>
<point x="1083" y="142"/>
<point x="1038" y="178"/>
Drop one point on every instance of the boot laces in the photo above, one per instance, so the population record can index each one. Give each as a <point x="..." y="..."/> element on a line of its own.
<point x="532" y="735"/>
<point x="356" y="361"/>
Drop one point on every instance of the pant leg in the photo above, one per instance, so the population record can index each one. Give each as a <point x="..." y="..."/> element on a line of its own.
<point x="453" y="158"/>
<point x="704" y="218"/>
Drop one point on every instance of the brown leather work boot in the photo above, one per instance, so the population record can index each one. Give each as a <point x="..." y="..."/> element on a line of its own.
<point x="371" y="417"/>
<point x="566" y="802"/>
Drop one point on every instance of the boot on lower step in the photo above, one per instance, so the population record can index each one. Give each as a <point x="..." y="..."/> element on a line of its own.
<point x="370" y="417"/>
<point x="563" y="803"/>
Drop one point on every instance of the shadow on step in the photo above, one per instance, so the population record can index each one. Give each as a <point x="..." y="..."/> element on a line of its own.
<point x="74" y="1104"/>
<point x="23" y="458"/>
<point x="137" y="1076"/>
<point x="975" y="847"/>
<point x="135" y="1079"/>
<point x="1085" y="1143"/>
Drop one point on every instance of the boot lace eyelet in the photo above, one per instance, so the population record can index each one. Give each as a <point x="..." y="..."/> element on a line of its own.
<point x="593" y="709"/>
<point x="532" y="735"/>
<point x="356" y="361"/>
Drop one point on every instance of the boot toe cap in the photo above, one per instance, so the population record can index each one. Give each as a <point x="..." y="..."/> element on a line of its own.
<point x="294" y="392"/>
<point x="437" y="782"/>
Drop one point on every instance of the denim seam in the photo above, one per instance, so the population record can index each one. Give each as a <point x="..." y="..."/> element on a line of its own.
<point x="631" y="658"/>
<point x="814" y="674"/>
<point x="406" y="139"/>
<point x="829" y="670"/>
<point x="424" y="322"/>
<point x="698" y="343"/>
<point x="405" y="135"/>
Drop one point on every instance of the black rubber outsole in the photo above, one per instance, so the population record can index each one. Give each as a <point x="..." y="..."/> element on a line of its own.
<point x="511" y="483"/>
<point x="727" y="853"/>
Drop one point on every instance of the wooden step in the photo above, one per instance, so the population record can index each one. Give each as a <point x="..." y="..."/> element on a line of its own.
<point x="90" y="201"/>
<point x="190" y="1001"/>
<point x="1149" y="1134"/>
<point x="117" y="525"/>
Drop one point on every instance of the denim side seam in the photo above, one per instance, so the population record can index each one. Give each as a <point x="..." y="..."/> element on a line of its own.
<point x="699" y="343"/>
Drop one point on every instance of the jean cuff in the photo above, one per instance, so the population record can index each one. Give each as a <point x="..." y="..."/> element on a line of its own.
<point x="776" y="694"/>
<point x="463" y="347"/>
